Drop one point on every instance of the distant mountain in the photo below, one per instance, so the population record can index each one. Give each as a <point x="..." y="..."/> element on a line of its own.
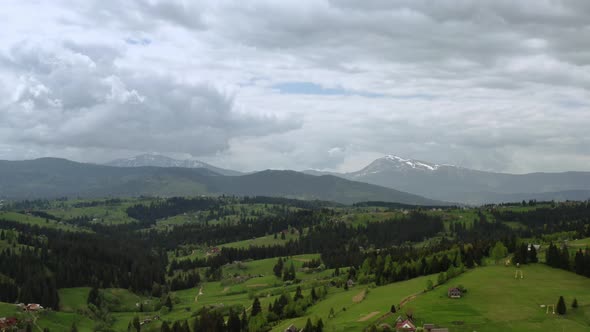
<point x="458" y="184"/>
<point x="158" y="160"/>
<point x="52" y="177"/>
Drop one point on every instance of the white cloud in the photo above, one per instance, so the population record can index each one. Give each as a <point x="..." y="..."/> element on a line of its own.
<point x="499" y="85"/>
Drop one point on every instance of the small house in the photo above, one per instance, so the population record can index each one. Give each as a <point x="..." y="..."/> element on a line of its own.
<point x="292" y="328"/>
<point x="33" y="307"/>
<point x="405" y="326"/>
<point x="454" y="293"/>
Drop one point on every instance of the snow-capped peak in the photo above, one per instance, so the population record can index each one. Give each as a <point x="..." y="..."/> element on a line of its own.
<point x="393" y="162"/>
<point x="412" y="163"/>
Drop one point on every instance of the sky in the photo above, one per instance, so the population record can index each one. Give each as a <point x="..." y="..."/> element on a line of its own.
<point x="309" y="84"/>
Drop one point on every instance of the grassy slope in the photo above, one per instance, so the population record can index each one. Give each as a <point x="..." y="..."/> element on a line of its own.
<point x="496" y="301"/>
<point x="41" y="222"/>
<point x="378" y="299"/>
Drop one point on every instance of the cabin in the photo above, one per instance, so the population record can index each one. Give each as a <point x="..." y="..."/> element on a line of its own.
<point x="292" y="328"/>
<point x="405" y="326"/>
<point x="454" y="293"/>
<point x="33" y="307"/>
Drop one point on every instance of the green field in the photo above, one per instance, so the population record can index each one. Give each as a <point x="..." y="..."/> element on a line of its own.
<point x="41" y="222"/>
<point x="496" y="301"/>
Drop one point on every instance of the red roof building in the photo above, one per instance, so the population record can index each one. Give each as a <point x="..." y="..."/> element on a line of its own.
<point x="405" y="326"/>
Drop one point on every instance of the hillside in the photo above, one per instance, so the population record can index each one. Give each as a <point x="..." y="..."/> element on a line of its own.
<point x="52" y="178"/>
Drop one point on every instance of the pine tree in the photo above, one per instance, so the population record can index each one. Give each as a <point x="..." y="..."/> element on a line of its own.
<point x="165" y="327"/>
<point x="314" y="296"/>
<point x="168" y="302"/>
<point x="243" y="322"/>
<point x="233" y="322"/>
<point x="575" y="303"/>
<point x="320" y="326"/>
<point x="533" y="255"/>
<point x="74" y="328"/>
<point x="561" y="309"/>
<point x="298" y="294"/>
<point x="392" y="309"/>
<point x="256" y="308"/>
<point x="136" y="324"/>
<point x="278" y="268"/>
<point x="93" y="296"/>
<point x="308" y="325"/>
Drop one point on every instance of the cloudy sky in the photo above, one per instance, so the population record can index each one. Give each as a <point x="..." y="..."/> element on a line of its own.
<point x="495" y="85"/>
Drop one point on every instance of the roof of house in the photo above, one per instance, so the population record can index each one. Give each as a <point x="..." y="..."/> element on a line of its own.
<point x="406" y="324"/>
<point x="440" y="329"/>
<point x="428" y="326"/>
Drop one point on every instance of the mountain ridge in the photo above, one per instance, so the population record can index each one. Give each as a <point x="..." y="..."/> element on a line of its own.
<point x="469" y="186"/>
<point x="159" y="160"/>
<point x="54" y="177"/>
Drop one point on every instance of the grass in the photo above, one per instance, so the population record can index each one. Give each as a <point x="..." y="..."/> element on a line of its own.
<point x="71" y="299"/>
<point x="349" y="315"/>
<point x="496" y="301"/>
<point x="41" y="222"/>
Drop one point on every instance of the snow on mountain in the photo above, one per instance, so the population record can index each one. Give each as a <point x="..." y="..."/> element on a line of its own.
<point x="392" y="162"/>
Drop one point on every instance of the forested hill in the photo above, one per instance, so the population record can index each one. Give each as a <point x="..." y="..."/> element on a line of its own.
<point x="51" y="178"/>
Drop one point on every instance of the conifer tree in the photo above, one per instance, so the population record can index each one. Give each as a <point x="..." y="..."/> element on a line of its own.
<point x="165" y="327"/>
<point x="256" y="308"/>
<point x="561" y="309"/>
<point x="575" y="303"/>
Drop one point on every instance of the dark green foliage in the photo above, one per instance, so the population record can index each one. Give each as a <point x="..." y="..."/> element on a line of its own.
<point x="561" y="308"/>
<point x="165" y="327"/>
<point x="298" y="294"/>
<point x="392" y="310"/>
<point x="575" y="303"/>
<point x="233" y="322"/>
<point x="93" y="297"/>
<point x="278" y="268"/>
<point x="135" y="323"/>
<point x="256" y="308"/>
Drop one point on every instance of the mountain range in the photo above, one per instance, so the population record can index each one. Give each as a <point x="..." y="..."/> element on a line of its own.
<point x="158" y="160"/>
<point x="390" y="178"/>
<point x="53" y="178"/>
<point x="459" y="184"/>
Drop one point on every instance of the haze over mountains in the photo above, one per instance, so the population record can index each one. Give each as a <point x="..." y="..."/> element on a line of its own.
<point x="390" y="178"/>
<point x="53" y="177"/>
<point x="459" y="184"/>
<point x="158" y="160"/>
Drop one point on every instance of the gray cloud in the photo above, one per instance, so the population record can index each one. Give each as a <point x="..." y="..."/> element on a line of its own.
<point x="72" y="98"/>
<point x="499" y="85"/>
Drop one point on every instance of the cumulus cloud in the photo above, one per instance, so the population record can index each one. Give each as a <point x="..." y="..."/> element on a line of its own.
<point x="67" y="96"/>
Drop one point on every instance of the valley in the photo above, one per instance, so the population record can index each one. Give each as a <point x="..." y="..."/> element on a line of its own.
<point x="265" y="264"/>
